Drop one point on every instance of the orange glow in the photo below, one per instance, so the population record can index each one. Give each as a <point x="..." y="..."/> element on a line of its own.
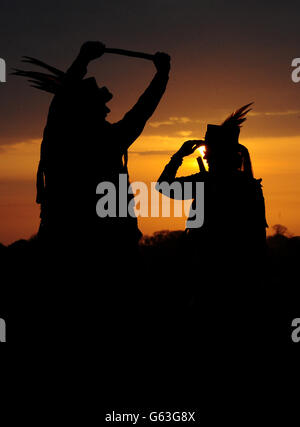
<point x="202" y="151"/>
<point x="272" y="136"/>
<point x="276" y="160"/>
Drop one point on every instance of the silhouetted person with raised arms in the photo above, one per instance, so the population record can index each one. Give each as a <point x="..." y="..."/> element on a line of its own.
<point x="81" y="148"/>
<point x="234" y="225"/>
<point x="85" y="263"/>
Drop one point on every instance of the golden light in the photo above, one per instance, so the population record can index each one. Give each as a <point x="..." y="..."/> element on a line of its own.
<point x="201" y="150"/>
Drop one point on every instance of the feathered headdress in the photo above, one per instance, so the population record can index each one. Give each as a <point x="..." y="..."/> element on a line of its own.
<point x="238" y="117"/>
<point x="229" y="130"/>
<point x="47" y="82"/>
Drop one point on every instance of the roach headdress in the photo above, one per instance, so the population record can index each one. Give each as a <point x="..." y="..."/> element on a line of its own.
<point x="228" y="132"/>
<point x="56" y="81"/>
<point x="51" y="83"/>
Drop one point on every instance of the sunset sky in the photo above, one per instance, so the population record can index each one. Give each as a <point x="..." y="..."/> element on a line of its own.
<point x="224" y="55"/>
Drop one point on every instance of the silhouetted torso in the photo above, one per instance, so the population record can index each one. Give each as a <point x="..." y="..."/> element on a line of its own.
<point x="234" y="214"/>
<point x="79" y="150"/>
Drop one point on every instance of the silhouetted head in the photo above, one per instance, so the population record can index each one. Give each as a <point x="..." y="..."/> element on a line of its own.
<point x="233" y="159"/>
<point x="223" y="151"/>
<point x="82" y="99"/>
<point x="92" y="100"/>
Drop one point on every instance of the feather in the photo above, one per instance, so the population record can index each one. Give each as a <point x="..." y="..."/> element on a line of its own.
<point x="237" y="117"/>
<point x="37" y="75"/>
<point x="34" y="61"/>
<point x="43" y="81"/>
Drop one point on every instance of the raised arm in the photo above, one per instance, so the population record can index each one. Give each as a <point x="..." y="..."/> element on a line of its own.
<point x="88" y="52"/>
<point x="133" y="123"/>
<point x="168" y="175"/>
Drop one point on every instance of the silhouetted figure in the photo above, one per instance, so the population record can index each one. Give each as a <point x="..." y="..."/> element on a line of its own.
<point x="234" y="225"/>
<point x="80" y="149"/>
<point x="221" y="269"/>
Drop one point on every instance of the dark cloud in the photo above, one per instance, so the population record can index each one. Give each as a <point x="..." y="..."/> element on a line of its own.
<point x="252" y="42"/>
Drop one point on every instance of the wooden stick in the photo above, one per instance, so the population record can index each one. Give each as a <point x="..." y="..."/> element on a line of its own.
<point x="130" y="53"/>
<point x="201" y="164"/>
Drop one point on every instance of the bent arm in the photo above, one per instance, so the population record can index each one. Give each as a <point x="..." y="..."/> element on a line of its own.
<point x="89" y="51"/>
<point x="168" y="179"/>
<point x="133" y="123"/>
<point x="169" y="173"/>
<point x="77" y="70"/>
